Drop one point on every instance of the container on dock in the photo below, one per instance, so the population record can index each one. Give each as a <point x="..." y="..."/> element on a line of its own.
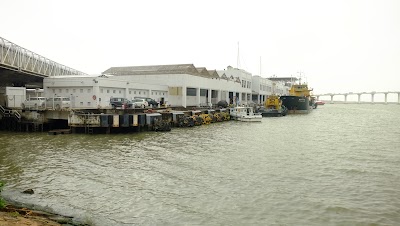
<point x="130" y="118"/>
<point x="210" y="111"/>
<point x="150" y="118"/>
<point x="141" y="119"/>
<point x="115" y="120"/>
<point x="104" y="120"/>
<point x="195" y="112"/>
<point x="124" y="120"/>
<point x="176" y="117"/>
<point x="135" y="120"/>
<point x="166" y="116"/>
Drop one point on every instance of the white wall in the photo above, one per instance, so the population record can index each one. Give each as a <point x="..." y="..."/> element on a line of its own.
<point x="14" y="96"/>
<point x="95" y="92"/>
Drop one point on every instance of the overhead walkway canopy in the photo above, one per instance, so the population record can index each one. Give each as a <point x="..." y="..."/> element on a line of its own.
<point x="22" y="67"/>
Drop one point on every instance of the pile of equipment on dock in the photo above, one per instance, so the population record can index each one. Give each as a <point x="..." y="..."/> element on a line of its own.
<point x="149" y="120"/>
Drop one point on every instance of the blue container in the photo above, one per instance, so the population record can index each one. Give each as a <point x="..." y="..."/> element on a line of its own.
<point x="104" y="121"/>
<point x="124" y="120"/>
<point x="142" y="119"/>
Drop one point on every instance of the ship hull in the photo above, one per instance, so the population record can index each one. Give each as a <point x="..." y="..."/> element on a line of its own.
<point x="296" y="104"/>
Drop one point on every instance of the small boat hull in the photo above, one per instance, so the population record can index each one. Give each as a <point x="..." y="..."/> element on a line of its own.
<point x="273" y="112"/>
<point x="254" y="118"/>
<point x="244" y="114"/>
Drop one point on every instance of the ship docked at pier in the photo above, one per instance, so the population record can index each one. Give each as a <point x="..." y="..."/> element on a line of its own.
<point x="299" y="100"/>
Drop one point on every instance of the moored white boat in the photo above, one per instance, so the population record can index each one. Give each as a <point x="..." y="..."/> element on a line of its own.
<point x="244" y="114"/>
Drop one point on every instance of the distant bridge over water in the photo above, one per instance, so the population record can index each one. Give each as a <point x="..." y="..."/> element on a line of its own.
<point x="359" y="94"/>
<point x="19" y="66"/>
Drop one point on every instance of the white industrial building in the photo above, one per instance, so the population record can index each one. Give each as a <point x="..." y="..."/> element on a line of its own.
<point x="95" y="91"/>
<point x="262" y="87"/>
<point x="177" y="85"/>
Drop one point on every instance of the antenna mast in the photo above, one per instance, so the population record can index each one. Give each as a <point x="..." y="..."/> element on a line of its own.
<point x="238" y="58"/>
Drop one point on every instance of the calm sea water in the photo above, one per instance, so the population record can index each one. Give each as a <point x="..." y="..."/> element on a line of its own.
<point x="339" y="165"/>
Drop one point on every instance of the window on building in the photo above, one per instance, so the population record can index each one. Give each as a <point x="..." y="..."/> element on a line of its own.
<point x="139" y="92"/>
<point x="81" y="103"/>
<point x="88" y="103"/>
<point x="144" y="93"/>
<point x="130" y="92"/>
<point x="134" y="92"/>
<point x="114" y="91"/>
<point x="120" y="91"/>
<point x="190" y="92"/>
<point x="108" y="91"/>
<point x="152" y="93"/>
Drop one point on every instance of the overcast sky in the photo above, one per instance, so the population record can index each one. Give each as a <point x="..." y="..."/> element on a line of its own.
<point x="340" y="46"/>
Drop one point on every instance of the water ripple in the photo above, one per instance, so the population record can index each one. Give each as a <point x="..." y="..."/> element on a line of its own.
<point x="335" y="166"/>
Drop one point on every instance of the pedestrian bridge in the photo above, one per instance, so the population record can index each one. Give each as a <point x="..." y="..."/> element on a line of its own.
<point x="19" y="66"/>
<point x="370" y="94"/>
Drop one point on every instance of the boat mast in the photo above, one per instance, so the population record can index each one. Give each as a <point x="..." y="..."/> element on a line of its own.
<point x="299" y="72"/>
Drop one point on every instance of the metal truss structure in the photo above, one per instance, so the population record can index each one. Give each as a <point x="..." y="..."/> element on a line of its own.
<point x="14" y="57"/>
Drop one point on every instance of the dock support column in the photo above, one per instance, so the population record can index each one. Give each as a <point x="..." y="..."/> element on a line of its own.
<point x="198" y="99"/>
<point x="372" y="97"/>
<point x="332" y="99"/>
<point x="225" y="95"/>
<point x="184" y="96"/>
<point x="345" y="98"/>
<point x="359" y="98"/>
<point x="96" y="94"/>
<point x="209" y="97"/>
<point x="398" y="98"/>
<point x="386" y="98"/>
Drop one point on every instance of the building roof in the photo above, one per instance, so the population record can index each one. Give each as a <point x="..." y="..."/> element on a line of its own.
<point x="161" y="69"/>
<point x="203" y="72"/>
<point x="223" y="76"/>
<point x="213" y="73"/>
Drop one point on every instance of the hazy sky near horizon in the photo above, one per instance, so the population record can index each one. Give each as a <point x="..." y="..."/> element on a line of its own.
<point x="338" y="45"/>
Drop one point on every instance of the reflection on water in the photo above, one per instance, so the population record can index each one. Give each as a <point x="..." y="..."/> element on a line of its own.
<point x="335" y="166"/>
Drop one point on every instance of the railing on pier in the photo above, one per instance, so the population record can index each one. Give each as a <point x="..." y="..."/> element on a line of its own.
<point x="10" y="113"/>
